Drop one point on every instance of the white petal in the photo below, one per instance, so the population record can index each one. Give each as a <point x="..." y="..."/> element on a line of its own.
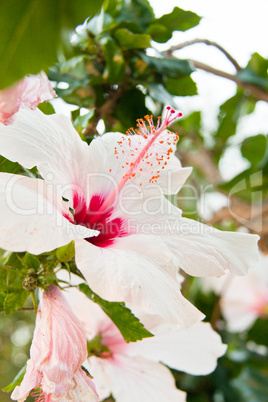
<point x="48" y="142"/>
<point x="204" y="251"/>
<point x="112" y="169"/>
<point x="29" y="221"/>
<point x="193" y="350"/>
<point x="135" y="379"/>
<point x="123" y="274"/>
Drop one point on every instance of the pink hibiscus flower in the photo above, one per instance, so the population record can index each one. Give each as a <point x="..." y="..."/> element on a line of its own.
<point x="59" y="347"/>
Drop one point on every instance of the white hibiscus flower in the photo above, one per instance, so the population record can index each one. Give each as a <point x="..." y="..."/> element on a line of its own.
<point x="129" y="239"/>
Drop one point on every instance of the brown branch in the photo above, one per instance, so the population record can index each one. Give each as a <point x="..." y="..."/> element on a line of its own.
<point x="258" y="92"/>
<point x="206" y="42"/>
<point x="105" y="109"/>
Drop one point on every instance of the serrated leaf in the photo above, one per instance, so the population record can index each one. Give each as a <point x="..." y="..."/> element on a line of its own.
<point x="254" y="149"/>
<point x="129" y="325"/>
<point x="128" y="40"/>
<point x="8" y="166"/>
<point x="31" y="32"/>
<point x="17" y="380"/>
<point x="65" y="253"/>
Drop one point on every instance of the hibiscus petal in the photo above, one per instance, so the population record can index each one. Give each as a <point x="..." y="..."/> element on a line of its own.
<point x="123" y="274"/>
<point x="193" y="350"/>
<point x="29" y="92"/>
<point x="29" y="220"/>
<point x="50" y="143"/>
<point x="30" y="381"/>
<point x="204" y="251"/>
<point x="134" y="379"/>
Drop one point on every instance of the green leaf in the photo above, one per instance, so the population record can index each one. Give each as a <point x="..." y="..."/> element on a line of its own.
<point x="230" y="112"/>
<point x="129" y="326"/>
<point x="184" y="86"/>
<point x="249" y="76"/>
<point x="31" y="32"/>
<point x="177" y="20"/>
<point x="139" y="11"/>
<point x="17" y="380"/>
<point x="8" y="166"/>
<point x="31" y="261"/>
<point x="258" y="64"/>
<point x="259" y="332"/>
<point x="131" y="105"/>
<point x="256" y="71"/>
<point x="65" y="253"/>
<point x="254" y="149"/>
<point x="129" y="40"/>
<point x="115" y="63"/>
<point x="191" y="123"/>
<point x="14" y="301"/>
<point x="46" y="108"/>
<point x="171" y="67"/>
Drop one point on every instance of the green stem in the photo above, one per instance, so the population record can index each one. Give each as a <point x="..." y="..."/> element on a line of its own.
<point x="35" y="304"/>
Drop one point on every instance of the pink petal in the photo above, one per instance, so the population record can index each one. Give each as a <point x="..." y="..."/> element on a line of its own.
<point x="29" y="92"/>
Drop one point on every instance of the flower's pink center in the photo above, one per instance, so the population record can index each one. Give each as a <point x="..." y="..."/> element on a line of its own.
<point x="148" y="150"/>
<point x="90" y="217"/>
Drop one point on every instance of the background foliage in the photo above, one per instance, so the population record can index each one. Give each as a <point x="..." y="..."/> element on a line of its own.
<point x="111" y="68"/>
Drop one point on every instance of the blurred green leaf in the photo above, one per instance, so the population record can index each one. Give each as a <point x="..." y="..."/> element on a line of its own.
<point x="259" y="332"/>
<point x="14" y="300"/>
<point x="31" y="32"/>
<point x="139" y="11"/>
<point x="191" y="123"/>
<point x="171" y="67"/>
<point x="230" y="112"/>
<point x="130" y="107"/>
<point x="17" y="380"/>
<point x="177" y="20"/>
<point x="31" y="261"/>
<point x="129" y="325"/>
<point x="129" y="40"/>
<point x="254" y="149"/>
<point x="256" y="71"/>
<point x="184" y="86"/>
<point x="65" y="253"/>
<point x="115" y="63"/>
